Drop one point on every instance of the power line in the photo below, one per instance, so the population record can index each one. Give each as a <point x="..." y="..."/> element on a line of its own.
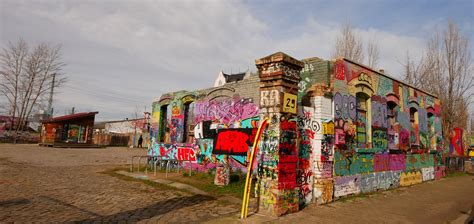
<point x="101" y="94"/>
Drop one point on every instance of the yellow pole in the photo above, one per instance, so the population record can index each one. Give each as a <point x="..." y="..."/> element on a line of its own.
<point x="248" y="179"/>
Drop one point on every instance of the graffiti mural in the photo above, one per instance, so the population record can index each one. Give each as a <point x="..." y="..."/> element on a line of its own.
<point x="222" y="176"/>
<point x="427" y="173"/>
<point x="344" y="106"/>
<point x="379" y="112"/>
<point x="456" y="145"/>
<point x="226" y="111"/>
<point x="370" y="133"/>
<point x="234" y="141"/>
<point x="379" y="181"/>
<point x="346" y="185"/>
<point x="173" y="151"/>
<point x="418" y="161"/>
<point x="345" y="165"/>
<point x="381" y="162"/>
<point x="307" y="127"/>
<point x="410" y="178"/>
<point x="379" y="140"/>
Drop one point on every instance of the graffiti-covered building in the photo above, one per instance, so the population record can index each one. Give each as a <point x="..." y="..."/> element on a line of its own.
<point x="336" y="128"/>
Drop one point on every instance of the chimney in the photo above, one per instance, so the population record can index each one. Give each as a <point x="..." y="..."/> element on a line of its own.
<point x="382" y="71"/>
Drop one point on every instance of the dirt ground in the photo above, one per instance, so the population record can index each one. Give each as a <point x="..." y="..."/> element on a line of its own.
<point x="66" y="185"/>
<point x="56" y="185"/>
<point x="440" y="201"/>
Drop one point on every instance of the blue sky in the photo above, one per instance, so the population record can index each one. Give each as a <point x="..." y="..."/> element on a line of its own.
<point x="121" y="55"/>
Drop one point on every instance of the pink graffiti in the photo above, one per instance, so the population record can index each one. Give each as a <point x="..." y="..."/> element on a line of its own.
<point x="381" y="162"/>
<point x="397" y="162"/>
<point x="226" y="111"/>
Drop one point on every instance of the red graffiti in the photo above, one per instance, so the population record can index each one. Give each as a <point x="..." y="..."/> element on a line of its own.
<point x="456" y="146"/>
<point x="286" y="175"/>
<point x="339" y="68"/>
<point x="232" y="142"/>
<point x="288" y="125"/>
<point x="404" y="139"/>
<point x="162" y="150"/>
<point x="186" y="154"/>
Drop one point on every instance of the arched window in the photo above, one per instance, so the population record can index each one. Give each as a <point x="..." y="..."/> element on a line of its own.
<point x="431" y="131"/>
<point x="163" y="123"/>
<point x="392" y="108"/>
<point x="414" y="126"/>
<point x="188" y="121"/>
<point x="362" y="123"/>
<point x="392" y="112"/>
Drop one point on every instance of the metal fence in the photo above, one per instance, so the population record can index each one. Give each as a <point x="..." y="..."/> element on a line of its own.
<point x="455" y="164"/>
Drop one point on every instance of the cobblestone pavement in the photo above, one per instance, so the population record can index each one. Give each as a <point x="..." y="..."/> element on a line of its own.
<point x="66" y="185"/>
<point x="50" y="185"/>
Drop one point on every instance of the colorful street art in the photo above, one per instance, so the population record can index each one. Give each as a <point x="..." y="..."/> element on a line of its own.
<point x="222" y="177"/>
<point x="374" y="133"/>
<point x="307" y="127"/>
<point x="456" y="145"/>
<point x="225" y="111"/>
<point x="346" y="185"/>
<point x="234" y="141"/>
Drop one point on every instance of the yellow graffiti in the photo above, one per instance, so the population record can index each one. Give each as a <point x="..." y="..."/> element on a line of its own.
<point x="410" y="178"/>
<point x="328" y="128"/>
<point x="155" y="117"/>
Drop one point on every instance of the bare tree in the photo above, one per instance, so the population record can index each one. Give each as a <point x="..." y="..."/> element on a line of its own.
<point x="446" y="70"/>
<point x="372" y="53"/>
<point x="348" y="45"/>
<point x="12" y="62"/>
<point x="26" y="78"/>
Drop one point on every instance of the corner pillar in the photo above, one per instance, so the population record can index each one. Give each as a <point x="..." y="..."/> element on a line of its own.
<point x="278" y="156"/>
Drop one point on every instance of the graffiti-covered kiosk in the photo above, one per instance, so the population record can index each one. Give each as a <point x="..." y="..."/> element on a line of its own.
<point x="74" y="130"/>
<point x="336" y="128"/>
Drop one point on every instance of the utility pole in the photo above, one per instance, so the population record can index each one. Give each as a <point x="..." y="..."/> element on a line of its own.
<point x="50" y="101"/>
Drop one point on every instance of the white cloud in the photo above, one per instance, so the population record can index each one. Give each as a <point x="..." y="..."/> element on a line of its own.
<point x="138" y="50"/>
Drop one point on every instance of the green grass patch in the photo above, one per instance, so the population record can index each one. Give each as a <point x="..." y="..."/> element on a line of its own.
<point x="202" y="181"/>
<point x="457" y="174"/>
<point x="113" y="173"/>
<point x="205" y="182"/>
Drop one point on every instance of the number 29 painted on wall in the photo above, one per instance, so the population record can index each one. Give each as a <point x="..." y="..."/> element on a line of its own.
<point x="289" y="103"/>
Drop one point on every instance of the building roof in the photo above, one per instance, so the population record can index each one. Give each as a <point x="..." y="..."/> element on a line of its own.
<point x="99" y="125"/>
<point x="8" y="118"/>
<point x="234" y="77"/>
<point x="70" y="117"/>
<point x="388" y="76"/>
<point x="277" y="57"/>
<point x="126" y="120"/>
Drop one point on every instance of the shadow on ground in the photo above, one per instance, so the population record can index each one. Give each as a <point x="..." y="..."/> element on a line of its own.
<point x="16" y="201"/>
<point x="153" y="210"/>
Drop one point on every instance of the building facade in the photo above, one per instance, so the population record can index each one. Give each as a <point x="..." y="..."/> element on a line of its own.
<point x="336" y="128"/>
<point x="70" y="130"/>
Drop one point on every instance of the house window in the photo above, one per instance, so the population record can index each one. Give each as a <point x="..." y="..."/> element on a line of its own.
<point x="362" y="122"/>
<point x="431" y="131"/>
<point x="391" y="113"/>
<point x="163" y="123"/>
<point x="188" y="115"/>
<point x="392" y="109"/>
<point x="414" y="126"/>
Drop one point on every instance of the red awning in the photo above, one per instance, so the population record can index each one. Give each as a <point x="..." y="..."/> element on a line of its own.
<point x="70" y="117"/>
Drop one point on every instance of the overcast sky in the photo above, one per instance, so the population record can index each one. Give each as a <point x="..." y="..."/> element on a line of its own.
<point x="121" y="55"/>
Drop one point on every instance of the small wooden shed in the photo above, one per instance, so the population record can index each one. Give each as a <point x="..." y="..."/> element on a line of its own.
<point x="74" y="130"/>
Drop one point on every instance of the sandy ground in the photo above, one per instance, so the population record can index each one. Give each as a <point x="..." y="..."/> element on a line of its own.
<point x="40" y="184"/>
